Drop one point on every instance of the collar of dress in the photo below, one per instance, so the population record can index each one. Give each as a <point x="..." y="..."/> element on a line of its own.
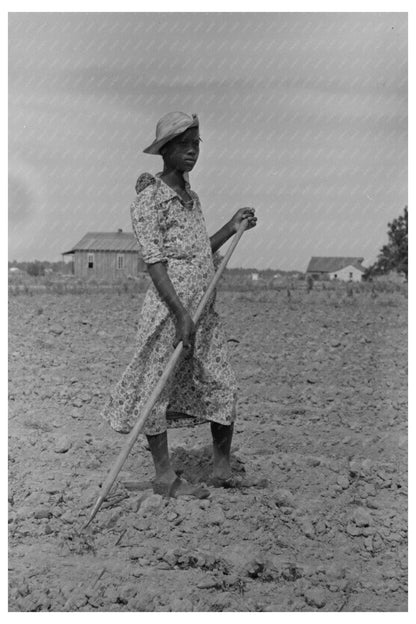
<point x="165" y="192"/>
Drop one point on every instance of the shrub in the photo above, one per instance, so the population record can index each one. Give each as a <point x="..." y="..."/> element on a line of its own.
<point x="59" y="288"/>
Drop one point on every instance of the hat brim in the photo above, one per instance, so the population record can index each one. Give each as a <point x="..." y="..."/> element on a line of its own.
<point x="154" y="147"/>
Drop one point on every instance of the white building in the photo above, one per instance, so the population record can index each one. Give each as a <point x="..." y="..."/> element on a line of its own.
<point x="331" y="267"/>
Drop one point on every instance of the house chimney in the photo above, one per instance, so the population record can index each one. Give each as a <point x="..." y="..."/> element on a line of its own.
<point x="119" y="230"/>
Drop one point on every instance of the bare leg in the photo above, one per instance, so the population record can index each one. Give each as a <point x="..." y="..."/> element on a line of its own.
<point x="222" y="436"/>
<point x="160" y="453"/>
<point x="222" y="475"/>
<point x="165" y="475"/>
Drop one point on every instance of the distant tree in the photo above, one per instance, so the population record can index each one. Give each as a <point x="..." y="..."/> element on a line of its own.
<point x="35" y="268"/>
<point x="392" y="256"/>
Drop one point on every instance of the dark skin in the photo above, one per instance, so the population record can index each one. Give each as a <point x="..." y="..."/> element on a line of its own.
<point x="179" y="156"/>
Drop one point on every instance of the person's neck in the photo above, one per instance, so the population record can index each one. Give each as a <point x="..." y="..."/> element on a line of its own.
<point x="173" y="177"/>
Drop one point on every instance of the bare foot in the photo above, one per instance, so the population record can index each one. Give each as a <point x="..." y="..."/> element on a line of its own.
<point x="221" y="465"/>
<point x="222" y="470"/>
<point x="179" y="487"/>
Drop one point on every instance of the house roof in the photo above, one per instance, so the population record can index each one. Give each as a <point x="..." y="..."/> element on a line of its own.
<point x="106" y="241"/>
<point x="327" y="264"/>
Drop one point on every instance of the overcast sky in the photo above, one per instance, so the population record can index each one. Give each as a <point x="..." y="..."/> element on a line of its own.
<point x="303" y="116"/>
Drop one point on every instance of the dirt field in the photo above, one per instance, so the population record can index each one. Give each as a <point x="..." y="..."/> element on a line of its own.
<point x="322" y="416"/>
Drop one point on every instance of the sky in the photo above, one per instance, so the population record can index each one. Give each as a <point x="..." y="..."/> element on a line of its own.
<point x="303" y="116"/>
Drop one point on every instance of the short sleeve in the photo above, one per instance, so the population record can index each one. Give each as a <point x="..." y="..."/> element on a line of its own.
<point x="144" y="217"/>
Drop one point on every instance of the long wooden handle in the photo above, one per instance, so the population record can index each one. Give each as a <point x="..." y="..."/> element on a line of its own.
<point x="134" y="433"/>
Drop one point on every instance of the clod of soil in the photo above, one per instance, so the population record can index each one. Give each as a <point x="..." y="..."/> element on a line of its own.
<point x="322" y="416"/>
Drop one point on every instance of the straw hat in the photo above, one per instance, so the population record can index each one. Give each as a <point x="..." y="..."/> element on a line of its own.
<point x="170" y="126"/>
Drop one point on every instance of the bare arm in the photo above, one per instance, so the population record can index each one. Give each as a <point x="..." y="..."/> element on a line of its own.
<point x="230" y="228"/>
<point x="218" y="239"/>
<point x="185" y="327"/>
<point x="161" y="280"/>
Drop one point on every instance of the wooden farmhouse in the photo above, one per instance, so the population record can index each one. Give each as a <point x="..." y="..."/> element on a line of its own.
<point x="341" y="268"/>
<point x="107" y="255"/>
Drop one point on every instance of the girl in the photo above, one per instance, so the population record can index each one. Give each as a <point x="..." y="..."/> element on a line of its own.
<point x="173" y="241"/>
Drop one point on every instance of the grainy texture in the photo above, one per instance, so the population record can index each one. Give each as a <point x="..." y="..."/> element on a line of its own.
<point x="303" y="115"/>
<point x="322" y="415"/>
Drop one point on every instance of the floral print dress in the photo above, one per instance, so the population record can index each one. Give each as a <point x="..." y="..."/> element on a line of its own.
<point x="203" y="385"/>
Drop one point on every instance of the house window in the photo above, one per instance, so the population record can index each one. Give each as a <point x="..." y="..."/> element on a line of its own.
<point x="120" y="261"/>
<point x="90" y="261"/>
<point x="350" y="274"/>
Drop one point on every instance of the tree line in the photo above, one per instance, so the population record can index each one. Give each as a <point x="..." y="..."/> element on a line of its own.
<point x="40" y="267"/>
<point x="394" y="255"/>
